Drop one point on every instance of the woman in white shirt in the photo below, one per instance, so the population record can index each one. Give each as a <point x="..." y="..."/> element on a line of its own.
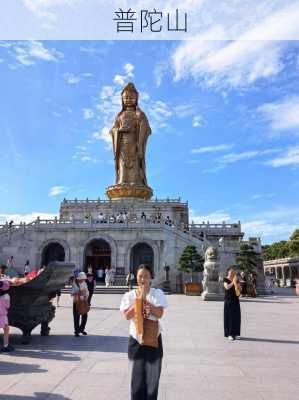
<point x="146" y="359"/>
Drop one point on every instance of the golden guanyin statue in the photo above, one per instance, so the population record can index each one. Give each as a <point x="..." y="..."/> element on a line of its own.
<point x="129" y="134"/>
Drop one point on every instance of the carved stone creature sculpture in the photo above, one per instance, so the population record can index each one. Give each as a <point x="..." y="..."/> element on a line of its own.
<point x="211" y="264"/>
<point x="211" y="284"/>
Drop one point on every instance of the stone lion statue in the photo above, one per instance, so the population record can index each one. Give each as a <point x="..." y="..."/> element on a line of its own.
<point x="211" y="254"/>
<point x="211" y="264"/>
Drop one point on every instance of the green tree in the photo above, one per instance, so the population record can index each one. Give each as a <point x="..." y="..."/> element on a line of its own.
<point x="294" y="243"/>
<point x="191" y="261"/>
<point x="247" y="259"/>
<point x="276" y="250"/>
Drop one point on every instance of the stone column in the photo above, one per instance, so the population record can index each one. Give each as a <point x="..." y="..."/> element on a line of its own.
<point x="283" y="276"/>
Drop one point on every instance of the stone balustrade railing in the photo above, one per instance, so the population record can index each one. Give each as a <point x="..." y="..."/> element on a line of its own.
<point x="207" y="224"/>
<point x="195" y="228"/>
<point x="56" y="223"/>
<point x="75" y="201"/>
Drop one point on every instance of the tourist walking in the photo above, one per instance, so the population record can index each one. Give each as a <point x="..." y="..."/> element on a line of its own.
<point x="58" y="295"/>
<point x="112" y="276"/>
<point x="144" y="307"/>
<point x="79" y="292"/>
<point x="91" y="284"/>
<point x="108" y="276"/>
<point x="243" y="284"/>
<point x="4" y="307"/>
<point x="232" y="311"/>
<point x="129" y="280"/>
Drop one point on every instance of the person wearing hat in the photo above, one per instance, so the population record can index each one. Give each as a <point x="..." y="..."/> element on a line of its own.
<point x="79" y="291"/>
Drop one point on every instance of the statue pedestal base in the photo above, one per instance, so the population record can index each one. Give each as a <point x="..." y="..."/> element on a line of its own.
<point x="126" y="190"/>
<point x="212" y="291"/>
<point x="212" y="296"/>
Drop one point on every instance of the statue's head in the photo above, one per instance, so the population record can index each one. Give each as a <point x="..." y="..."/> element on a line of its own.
<point x="211" y="254"/>
<point x="129" y="96"/>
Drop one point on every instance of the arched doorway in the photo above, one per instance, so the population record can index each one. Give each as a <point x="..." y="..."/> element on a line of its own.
<point x="98" y="257"/>
<point x="141" y="253"/>
<point x="53" y="251"/>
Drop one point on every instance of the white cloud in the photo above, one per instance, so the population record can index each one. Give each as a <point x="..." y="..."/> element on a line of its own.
<point x="289" y="158"/>
<point x="119" y="79"/>
<point x="268" y="231"/>
<point x="28" y="52"/>
<point x="88" y="113"/>
<point x="231" y="158"/>
<point x="216" y="217"/>
<point x="259" y="196"/>
<point x="282" y="115"/>
<point x="46" y="10"/>
<point x="129" y="68"/>
<point x="17" y="218"/>
<point x="197" y="121"/>
<point x="252" y="55"/>
<point x="72" y="79"/>
<point x="227" y="64"/>
<point x="271" y="225"/>
<point x="212" y="149"/>
<point x="57" y="190"/>
<point x="105" y="136"/>
<point x="234" y="157"/>
<point x="159" y="71"/>
<point x="160" y="109"/>
<point x="184" y="110"/>
<point x="82" y="154"/>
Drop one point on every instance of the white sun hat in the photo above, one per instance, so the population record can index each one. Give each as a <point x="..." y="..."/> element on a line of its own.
<point x="82" y="275"/>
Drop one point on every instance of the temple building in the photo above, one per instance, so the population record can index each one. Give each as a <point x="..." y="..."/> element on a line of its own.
<point x="128" y="228"/>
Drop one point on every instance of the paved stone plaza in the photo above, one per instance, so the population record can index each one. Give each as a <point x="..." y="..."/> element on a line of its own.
<point x="198" y="363"/>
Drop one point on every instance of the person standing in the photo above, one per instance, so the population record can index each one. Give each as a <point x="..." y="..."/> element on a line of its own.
<point x="91" y="284"/>
<point x="129" y="280"/>
<point x="144" y="308"/>
<point x="108" y="276"/>
<point x="26" y="268"/>
<point x="79" y="291"/>
<point x="112" y="276"/>
<point x="4" y="307"/>
<point x="58" y="295"/>
<point x="232" y="310"/>
<point x="243" y="284"/>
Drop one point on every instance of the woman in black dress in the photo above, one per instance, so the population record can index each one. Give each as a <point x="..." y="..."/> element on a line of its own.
<point x="232" y="311"/>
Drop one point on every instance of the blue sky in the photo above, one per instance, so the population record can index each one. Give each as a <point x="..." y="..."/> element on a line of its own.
<point x="224" y="118"/>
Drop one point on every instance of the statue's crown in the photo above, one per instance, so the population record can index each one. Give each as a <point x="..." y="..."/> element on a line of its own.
<point x="130" y="87"/>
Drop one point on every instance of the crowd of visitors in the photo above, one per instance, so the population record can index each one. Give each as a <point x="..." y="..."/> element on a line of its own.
<point x="143" y="307"/>
<point x="123" y="217"/>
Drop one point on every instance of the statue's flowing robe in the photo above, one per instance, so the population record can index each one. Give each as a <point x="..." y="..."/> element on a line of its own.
<point x="143" y="131"/>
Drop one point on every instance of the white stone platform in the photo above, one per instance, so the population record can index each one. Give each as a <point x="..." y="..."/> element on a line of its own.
<point x="199" y="363"/>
